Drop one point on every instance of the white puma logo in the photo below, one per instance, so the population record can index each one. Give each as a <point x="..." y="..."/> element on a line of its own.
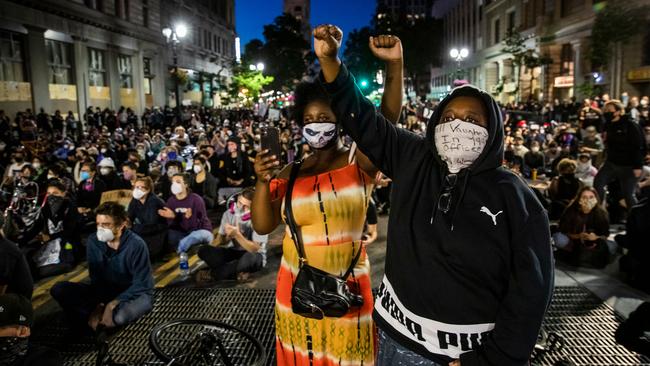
<point x="486" y="211"/>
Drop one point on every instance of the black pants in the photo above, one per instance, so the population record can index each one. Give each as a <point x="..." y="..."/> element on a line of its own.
<point x="226" y="263"/>
<point x="624" y="175"/>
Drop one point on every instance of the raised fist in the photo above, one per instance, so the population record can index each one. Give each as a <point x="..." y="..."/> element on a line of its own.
<point x="327" y="41"/>
<point x="386" y="48"/>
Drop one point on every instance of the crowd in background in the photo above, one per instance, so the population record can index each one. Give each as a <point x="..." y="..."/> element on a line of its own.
<point x="587" y="162"/>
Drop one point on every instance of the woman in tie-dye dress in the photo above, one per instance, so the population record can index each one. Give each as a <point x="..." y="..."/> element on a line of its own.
<point x="329" y="202"/>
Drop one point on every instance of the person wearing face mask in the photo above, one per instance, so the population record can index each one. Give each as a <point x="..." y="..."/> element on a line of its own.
<point x="203" y="183"/>
<point x="143" y="214"/>
<point x="563" y="188"/>
<point x="330" y="194"/>
<point x="185" y="212"/>
<point x="121" y="281"/>
<point x="108" y="174"/>
<point x="57" y="245"/>
<point x="625" y="149"/>
<point x="238" y="250"/>
<point x="583" y="231"/>
<point x="58" y="171"/>
<point x="164" y="183"/>
<point x="235" y="170"/>
<point x="139" y="158"/>
<point x="592" y="144"/>
<point x="585" y="171"/>
<point x="18" y="162"/>
<point x="469" y="267"/>
<point x="16" y="320"/>
<point x="89" y="192"/>
<point x="534" y="160"/>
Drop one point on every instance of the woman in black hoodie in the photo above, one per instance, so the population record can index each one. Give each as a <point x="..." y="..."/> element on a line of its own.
<point x="469" y="268"/>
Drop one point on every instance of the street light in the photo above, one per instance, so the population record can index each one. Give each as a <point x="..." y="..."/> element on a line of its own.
<point x="258" y="67"/>
<point x="459" y="56"/>
<point x="173" y="36"/>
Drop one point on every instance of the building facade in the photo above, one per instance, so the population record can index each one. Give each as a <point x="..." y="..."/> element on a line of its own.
<point x="206" y="54"/>
<point x="556" y="29"/>
<point x="71" y="54"/>
<point x="301" y="10"/>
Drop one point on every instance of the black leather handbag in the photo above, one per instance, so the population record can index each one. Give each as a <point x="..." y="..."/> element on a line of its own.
<point x="316" y="293"/>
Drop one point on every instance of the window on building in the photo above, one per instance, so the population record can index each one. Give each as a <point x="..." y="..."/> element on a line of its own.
<point x="511" y="21"/>
<point x="95" y="4"/>
<point x="570" y="7"/>
<point x="146" y="68"/>
<point x="206" y="39"/>
<point x="145" y="13"/>
<point x="59" y="62"/>
<point x="126" y="71"/>
<point x="122" y="9"/>
<point x="497" y="31"/>
<point x="12" y="67"/>
<point x="566" y="59"/>
<point x="645" y="56"/>
<point x="97" y="67"/>
<point x="215" y="41"/>
<point x="218" y="45"/>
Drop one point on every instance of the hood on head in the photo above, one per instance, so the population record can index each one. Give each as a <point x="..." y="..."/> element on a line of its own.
<point x="492" y="155"/>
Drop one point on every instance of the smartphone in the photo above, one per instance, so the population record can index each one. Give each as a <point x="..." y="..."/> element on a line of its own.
<point x="271" y="141"/>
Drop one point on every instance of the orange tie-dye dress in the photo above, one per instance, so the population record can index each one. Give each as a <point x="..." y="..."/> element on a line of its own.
<point x="330" y="211"/>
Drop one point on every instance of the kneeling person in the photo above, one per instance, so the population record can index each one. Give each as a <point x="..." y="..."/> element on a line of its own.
<point x="238" y="250"/>
<point x="121" y="281"/>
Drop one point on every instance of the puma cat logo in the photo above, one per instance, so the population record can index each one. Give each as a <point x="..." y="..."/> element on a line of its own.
<point x="486" y="211"/>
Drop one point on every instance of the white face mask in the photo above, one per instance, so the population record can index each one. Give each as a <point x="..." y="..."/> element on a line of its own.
<point x="104" y="234"/>
<point x="177" y="188"/>
<point x="588" y="204"/>
<point x="318" y="135"/>
<point x="459" y="143"/>
<point x="197" y="169"/>
<point x="534" y="149"/>
<point x="105" y="171"/>
<point x="138" y="194"/>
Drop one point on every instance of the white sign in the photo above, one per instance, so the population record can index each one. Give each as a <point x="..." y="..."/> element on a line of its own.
<point x="563" y="82"/>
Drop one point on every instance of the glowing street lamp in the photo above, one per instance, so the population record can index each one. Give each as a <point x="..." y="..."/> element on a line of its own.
<point x="459" y="56"/>
<point x="173" y="36"/>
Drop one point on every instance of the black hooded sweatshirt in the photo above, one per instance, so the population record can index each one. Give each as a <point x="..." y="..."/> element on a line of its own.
<point x="472" y="283"/>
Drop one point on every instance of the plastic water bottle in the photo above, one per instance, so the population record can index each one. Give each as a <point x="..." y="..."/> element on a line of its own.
<point x="184" y="266"/>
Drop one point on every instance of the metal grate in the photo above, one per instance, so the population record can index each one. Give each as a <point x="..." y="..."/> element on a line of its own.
<point x="585" y="323"/>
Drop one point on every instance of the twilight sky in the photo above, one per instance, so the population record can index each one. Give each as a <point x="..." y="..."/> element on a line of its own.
<point x="252" y="15"/>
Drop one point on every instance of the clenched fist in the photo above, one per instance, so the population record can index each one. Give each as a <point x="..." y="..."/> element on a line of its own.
<point x="327" y="41"/>
<point x="387" y="48"/>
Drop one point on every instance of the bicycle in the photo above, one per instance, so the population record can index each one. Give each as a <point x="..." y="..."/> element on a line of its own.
<point x="210" y="343"/>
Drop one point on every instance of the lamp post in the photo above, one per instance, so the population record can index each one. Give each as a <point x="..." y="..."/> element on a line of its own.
<point x="459" y="56"/>
<point x="173" y="36"/>
<point x="258" y="67"/>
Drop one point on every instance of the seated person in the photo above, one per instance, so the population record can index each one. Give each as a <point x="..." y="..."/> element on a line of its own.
<point x="138" y="157"/>
<point x="143" y="214"/>
<point x="585" y="171"/>
<point x="16" y="320"/>
<point x="235" y="170"/>
<point x="584" y="228"/>
<point x="186" y="215"/>
<point x="89" y="192"/>
<point x="164" y="183"/>
<point x="15" y="277"/>
<point x="58" y="171"/>
<point x="636" y="262"/>
<point x="53" y="250"/>
<point x="121" y="281"/>
<point x="533" y="160"/>
<point x="563" y="188"/>
<point x="203" y="183"/>
<point x="238" y="250"/>
<point x="129" y="174"/>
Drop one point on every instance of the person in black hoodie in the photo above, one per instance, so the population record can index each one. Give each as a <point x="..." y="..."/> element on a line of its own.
<point x="625" y="148"/>
<point x="469" y="266"/>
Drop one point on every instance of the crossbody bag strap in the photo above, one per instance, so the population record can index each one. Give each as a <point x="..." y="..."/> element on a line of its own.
<point x="288" y="212"/>
<point x="354" y="261"/>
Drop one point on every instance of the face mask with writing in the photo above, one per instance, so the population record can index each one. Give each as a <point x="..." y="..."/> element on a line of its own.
<point x="459" y="143"/>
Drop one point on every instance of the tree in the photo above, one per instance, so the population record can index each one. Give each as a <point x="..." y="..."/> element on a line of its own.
<point x="246" y="84"/>
<point x="515" y="45"/>
<point x="614" y="24"/>
<point x="286" y="54"/>
<point x="358" y="57"/>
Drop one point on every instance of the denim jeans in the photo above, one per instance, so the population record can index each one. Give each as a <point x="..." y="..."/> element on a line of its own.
<point x="182" y="242"/>
<point x="78" y="301"/>
<point x="392" y="354"/>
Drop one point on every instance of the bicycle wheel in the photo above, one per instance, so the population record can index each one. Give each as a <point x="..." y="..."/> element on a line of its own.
<point x="186" y="342"/>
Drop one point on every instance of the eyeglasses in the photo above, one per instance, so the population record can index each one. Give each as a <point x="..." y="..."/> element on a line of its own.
<point x="444" y="201"/>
